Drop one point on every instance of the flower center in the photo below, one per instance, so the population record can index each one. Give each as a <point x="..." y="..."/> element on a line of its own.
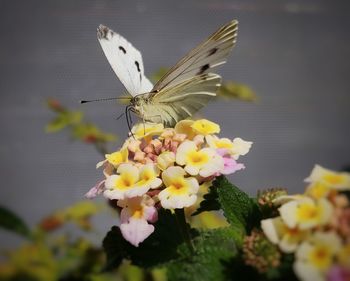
<point x="333" y="179"/>
<point x="197" y="158"/>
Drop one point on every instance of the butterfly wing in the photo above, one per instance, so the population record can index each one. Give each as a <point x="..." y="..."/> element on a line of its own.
<point x="173" y="104"/>
<point x="125" y="60"/>
<point x="211" y="53"/>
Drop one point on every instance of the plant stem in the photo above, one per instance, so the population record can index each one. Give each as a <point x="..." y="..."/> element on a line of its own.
<point x="181" y="221"/>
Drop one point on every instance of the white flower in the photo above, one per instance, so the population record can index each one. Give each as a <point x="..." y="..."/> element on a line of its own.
<point x="340" y="181"/>
<point x="306" y="213"/>
<point x="131" y="181"/>
<point x="236" y="148"/>
<point x="205" y="162"/>
<point x="315" y="256"/>
<point x="180" y="192"/>
<point x="286" y="238"/>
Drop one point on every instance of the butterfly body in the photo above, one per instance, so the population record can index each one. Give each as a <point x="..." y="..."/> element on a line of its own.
<point x="183" y="90"/>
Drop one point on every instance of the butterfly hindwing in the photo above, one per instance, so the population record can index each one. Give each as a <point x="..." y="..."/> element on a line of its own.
<point x="173" y="104"/>
<point x="125" y="60"/>
<point x="211" y="53"/>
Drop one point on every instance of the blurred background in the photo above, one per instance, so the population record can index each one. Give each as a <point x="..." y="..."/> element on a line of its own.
<point x="295" y="55"/>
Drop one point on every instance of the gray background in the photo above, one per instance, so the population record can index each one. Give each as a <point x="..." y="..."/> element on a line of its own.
<point x="294" y="54"/>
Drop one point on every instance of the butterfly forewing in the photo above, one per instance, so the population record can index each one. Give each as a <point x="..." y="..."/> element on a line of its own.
<point x="125" y="60"/>
<point x="211" y="53"/>
<point x="173" y="104"/>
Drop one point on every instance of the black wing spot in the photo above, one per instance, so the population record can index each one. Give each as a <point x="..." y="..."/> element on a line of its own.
<point x="138" y="66"/>
<point x="212" y="52"/>
<point x="122" y="49"/>
<point x="203" y="68"/>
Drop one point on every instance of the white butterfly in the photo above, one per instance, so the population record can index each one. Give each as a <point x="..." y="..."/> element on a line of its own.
<point x="183" y="90"/>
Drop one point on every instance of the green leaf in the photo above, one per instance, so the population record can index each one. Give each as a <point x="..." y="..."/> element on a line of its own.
<point x="233" y="90"/>
<point x="159" y="247"/>
<point x="209" y="203"/>
<point x="239" y="209"/>
<point x="213" y="249"/>
<point x="10" y="221"/>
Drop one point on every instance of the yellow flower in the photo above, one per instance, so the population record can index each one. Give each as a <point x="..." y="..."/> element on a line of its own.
<point x="236" y="148"/>
<point x="306" y="213"/>
<point x="318" y="190"/>
<point x="185" y="127"/>
<point x="315" y="256"/>
<point x="279" y="233"/>
<point x="205" y="127"/>
<point x="205" y="162"/>
<point x="131" y="181"/>
<point x="165" y="160"/>
<point x="180" y="191"/>
<point x="344" y="255"/>
<point x="147" y="130"/>
<point x="340" y="181"/>
<point x="118" y="157"/>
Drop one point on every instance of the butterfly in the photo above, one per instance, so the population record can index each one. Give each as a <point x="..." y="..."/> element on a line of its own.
<point x="183" y="90"/>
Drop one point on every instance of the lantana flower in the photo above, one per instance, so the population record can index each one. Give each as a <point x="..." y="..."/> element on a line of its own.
<point x="340" y="181"/>
<point x="131" y="181"/>
<point x="279" y="233"/>
<point x="180" y="191"/>
<point x="135" y="215"/>
<point x="306" y="213"/>
<point x="165" y="165"/>
<point x="315" y="256"/>
<point x="205" y="162"/>
<point x="205" y="127"/>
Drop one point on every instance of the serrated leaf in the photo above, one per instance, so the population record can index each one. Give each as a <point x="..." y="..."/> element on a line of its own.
<point x="209" y="203"/>
<point x="159" y="247"/>
<point x="213" y="249"/>
<point x="10" y="221"/>
<point x="240" y="210"/>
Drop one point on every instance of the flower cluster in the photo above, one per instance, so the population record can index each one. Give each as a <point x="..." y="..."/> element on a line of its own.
<point x="315" y="226"/>
<point x="165" y="167"/>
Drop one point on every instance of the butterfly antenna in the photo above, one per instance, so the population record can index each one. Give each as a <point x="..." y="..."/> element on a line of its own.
<point x="105" y="99"/>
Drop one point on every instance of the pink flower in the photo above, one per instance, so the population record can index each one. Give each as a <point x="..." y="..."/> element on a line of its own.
<point x="337" y="273"/>
<point x="230" y="164"/>
<point x="96" y="190"/>
<point x="135" y="215"/>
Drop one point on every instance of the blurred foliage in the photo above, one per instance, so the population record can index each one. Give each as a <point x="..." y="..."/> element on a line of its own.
<point x="79" y="129"/>
<point x="53" y="254"/>
<point x="229" y="90"/>
<point x="12" y="222"/>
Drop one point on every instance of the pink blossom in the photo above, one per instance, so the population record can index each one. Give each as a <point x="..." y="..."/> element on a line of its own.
<point x="230" y="164"/>
<point x="96" y="190"/>
<point x="134" y="217"/>
<point x="337" y="273"/>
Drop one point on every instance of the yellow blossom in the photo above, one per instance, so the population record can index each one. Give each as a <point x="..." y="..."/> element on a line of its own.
<point x="205" y="162"/>
<point x="205" y="127"/>
<point x="185" y="127"/>
<point x="180" y="191"/>
<point x="279" y="233"/>
<point x="165" y="160"/>
<point x="318" y="190"/>
<point x="315" y="256"/>
<point x="306" y="213"/>
<point x="340" y="181"/>
<point x="147" y="130"/>
<point x="118" y="157"/>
